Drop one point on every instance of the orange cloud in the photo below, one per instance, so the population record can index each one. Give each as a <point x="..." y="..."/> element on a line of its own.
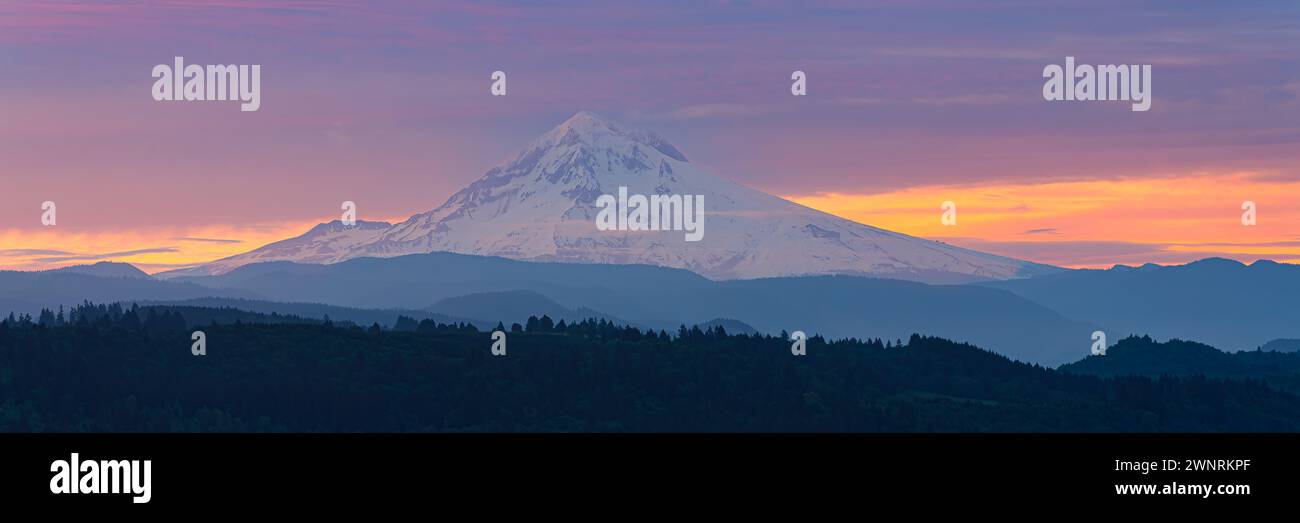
<point x="1180" y="218"/>
<point x="1071" y="224"/>
<point x="152" y="250"/>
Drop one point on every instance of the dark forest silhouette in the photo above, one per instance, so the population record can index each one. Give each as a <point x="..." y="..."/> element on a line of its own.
<point x="129" y="368"/>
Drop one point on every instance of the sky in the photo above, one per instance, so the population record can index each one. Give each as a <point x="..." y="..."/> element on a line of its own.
<point x="910" y="104"/>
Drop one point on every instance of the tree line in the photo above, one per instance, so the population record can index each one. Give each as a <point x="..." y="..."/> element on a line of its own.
<point x="106" y="368"/>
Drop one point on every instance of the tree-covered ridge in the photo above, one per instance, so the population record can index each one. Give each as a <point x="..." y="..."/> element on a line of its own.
<point x="107" y="368"/>
<point x="1143" y="356"/>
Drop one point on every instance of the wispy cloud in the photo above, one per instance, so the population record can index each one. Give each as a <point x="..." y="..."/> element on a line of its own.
<point x="966" y="53"/>
<point x="861" y="101"/>
<point x="26" y="253"/>
<point x="102" y="256"/>
<point x="205" y="240"/>
<point x="715" y="110"/>
<point x="959" y="99"/>
<point x="965" y="99"/>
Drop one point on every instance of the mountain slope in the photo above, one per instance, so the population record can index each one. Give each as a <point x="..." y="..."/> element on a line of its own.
<point x="835" y="306"/>
<point x="1216" y="301"/>
<point x="324" y="243"/>
<point x="106" y="270"/>
<point x="1282" y="345"/>
<point x="29" y="292"/>
<point x="542" y="206"/>
<point x="315" y="311"/>
<point x="512" y="307"/>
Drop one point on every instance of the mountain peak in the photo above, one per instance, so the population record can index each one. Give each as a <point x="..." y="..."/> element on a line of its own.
<point x="585" y="117"/>
<point x="106" y="269"/>
<point x="1216" y="262"/>
<point x="591" y="129"/>
<point x="585" y="123"/>
<point x="542" y="206"/>
<point x="337" y="225"/>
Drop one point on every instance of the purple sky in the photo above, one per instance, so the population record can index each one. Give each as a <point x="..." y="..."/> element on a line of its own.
<point x="386" y="103"/>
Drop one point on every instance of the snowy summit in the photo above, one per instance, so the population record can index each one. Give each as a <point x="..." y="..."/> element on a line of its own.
<point x="542" y="206"/>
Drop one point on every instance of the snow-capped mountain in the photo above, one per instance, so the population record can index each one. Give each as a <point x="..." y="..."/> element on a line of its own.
<point x="542" y="206"/>
<point x="324" y="243"/>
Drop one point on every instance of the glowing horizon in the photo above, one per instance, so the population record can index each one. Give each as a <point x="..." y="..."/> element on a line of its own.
<point x="910" y="104"/>
<point x="1164" y="221"/>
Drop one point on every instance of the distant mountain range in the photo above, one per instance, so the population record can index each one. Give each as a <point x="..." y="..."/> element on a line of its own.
<point x="28" y="292"/>
<point x="514" y="306"/>
<point x="315" y="311"/>
<point x="522" y="240"/>
<point x="1282" y="345"/>
<point x="1216" y="301"/>
<point x="541" y="206"/>
<point x="1047" y="319"/>
<point x="663" y="298"/>
<point x="106" y="270"/>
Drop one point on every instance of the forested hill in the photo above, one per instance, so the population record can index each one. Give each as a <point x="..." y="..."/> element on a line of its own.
<point x="1143" y="356"/>
<point x="116" y="372"/>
